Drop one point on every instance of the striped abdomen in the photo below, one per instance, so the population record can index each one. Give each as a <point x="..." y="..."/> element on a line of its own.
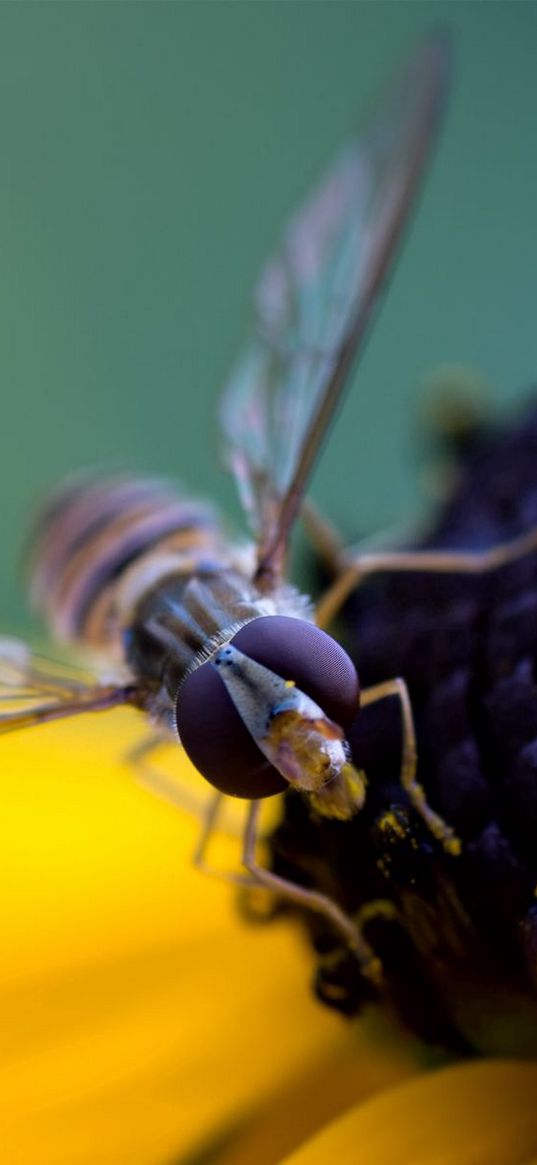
<point x="102" y="545"/>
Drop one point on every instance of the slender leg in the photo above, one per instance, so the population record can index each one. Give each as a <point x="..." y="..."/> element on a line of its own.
<point x="354" y="571"/>
<point x="97" y="699"/>
<point x="34" y="689"/>
<point x="349" y="930"/>
<point x="409" y="761"/>
<point x="199" y="857"/>
<point x="258" y="876"/>
<point x="177" y="793"/>
<point x="329" y="544"/>
<point x="184" y="799"/>
<point x="323" y="536"/>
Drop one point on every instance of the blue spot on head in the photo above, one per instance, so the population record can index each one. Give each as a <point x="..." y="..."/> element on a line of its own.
<point x="224" y="656"/>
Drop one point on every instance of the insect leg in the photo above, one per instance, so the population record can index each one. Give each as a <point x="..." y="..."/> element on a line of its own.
<point x="212" y="810"/>
<point x="409" y="761"/>
<point x="330" y="547"/>
<point x="174" y="791"/>
<point x="97" y="699"/>
<point x="355" y="570"/>
<point x="349" y="930"/>
<point x="323" y="536"/>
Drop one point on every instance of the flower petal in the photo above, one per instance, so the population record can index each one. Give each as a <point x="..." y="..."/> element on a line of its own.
<point x="140" y="1020"/>
<point x="471" y="1114"/>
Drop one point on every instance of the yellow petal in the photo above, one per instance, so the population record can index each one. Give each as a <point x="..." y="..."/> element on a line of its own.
<point x="474" y="1114"/>
<point x="140" y="1019"/>
<point x="369" y="1059"/>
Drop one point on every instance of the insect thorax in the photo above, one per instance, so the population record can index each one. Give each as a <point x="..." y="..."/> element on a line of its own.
<point x="186" y="617"/>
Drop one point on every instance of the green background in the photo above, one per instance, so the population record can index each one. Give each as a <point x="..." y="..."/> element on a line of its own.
<point x="148" y="155"/>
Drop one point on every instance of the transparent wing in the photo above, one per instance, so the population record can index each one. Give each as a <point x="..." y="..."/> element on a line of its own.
<point x="34" y="689"/>
<point x="314" y="299"/>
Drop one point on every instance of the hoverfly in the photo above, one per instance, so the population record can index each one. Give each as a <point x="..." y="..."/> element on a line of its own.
<point x="217" y="648"/>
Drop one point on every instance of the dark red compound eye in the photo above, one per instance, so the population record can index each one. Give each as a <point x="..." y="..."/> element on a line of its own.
<point x="211" y="730"/>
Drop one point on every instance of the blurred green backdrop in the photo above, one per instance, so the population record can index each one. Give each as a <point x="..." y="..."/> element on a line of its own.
<point x="149" y="153"/>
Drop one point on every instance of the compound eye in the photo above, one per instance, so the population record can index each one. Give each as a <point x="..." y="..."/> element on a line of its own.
<point x="218" y="743"/>
<point x="211" y="730"/>
<point x="301" y="652"/>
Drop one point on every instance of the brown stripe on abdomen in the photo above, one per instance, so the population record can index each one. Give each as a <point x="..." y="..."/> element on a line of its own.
<point x="95" y="536"/>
